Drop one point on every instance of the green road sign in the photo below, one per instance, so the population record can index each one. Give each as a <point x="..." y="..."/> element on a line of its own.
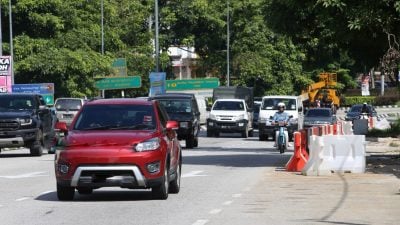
<point x="48" y="98"/>
<point x="119" y="67"/>
<point x="110" y="83"/>
<point x="192" y="84"/>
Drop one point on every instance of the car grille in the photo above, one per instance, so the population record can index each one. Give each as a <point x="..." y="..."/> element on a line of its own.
<point x="8" y="125"/>
<point x="103" y="174"/>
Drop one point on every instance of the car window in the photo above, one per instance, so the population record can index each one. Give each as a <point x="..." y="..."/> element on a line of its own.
<point x="176" y="105"/>
<point x="225" y="105"/>
<point x="68" y="104"/>
<point x="318" y="113"/>
<point x="135" y="117"/>
<point x="15" y="102"/>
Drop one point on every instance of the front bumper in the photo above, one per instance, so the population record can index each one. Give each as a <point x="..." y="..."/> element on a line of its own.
<point x="17" y="138"/>
<point x="227" y="126"/>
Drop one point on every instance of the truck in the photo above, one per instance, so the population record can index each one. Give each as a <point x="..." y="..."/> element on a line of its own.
<point x="323" y="93"/>
<point x="231" y="112"/>
<point x="25" y="121"/>
<point x="294" y="107"/>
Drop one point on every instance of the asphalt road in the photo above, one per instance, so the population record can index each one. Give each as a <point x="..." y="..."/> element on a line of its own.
<point x="227" y="180"/>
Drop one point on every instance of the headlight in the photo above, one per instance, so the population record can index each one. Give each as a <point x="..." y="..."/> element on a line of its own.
<point x="213" y="117"/>
<point x="25" y="121"/>
<point x="184" y="124"/>
<point x="149" y="145"/>
<point x="262" y="120"/>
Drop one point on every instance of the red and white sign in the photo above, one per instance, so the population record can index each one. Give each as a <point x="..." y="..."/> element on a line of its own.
<point x="5" y="74"/>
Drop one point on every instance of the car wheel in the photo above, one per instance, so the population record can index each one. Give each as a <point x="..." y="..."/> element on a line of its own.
<point x="161" y="192"/>
<point x="36" y="148"/>
<point x="196" y="142"/>
<point x="189" y="142"/>
<point x="175" y="185"/>
<point x="262" y="137"/>
<point x="209" y="133"/>
<point x="245" y="133"/>
<point x="251" y="133"/>
<point x="85" y="191"/>
<point x="65" y="193"/>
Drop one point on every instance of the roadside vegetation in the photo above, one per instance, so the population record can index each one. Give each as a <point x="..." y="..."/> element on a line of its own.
<point x="277" y="47"/>
<point x="393" y="131"/>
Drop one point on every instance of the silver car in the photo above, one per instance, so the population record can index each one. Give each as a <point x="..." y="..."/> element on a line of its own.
<point x="67" y="108"/>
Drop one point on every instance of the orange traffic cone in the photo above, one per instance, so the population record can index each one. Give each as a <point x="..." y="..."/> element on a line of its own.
<point x="298" y="160"/>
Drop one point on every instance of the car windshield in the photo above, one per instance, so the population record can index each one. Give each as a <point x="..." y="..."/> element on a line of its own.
<point x="226" y="105"/>
<point x="68" y="104"/>
<point x="318" y="113"/>
<point x="15" y="102"/>
<point x="272" y="103"/>
<point x="176" y="105"/>
<point x="116" y="117"/>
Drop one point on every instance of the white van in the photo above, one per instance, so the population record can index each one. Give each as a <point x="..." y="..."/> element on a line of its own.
<point x="202" y="103"/>
<point x="294" y="107"/>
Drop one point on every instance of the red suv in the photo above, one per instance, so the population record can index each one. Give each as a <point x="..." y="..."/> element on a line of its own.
<point x="127" y="143"/>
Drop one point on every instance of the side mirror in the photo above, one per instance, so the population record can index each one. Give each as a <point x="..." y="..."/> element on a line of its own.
<point x="300" y="109"/>
<point x="172" y="125"/>
<point x="62" y="126"/>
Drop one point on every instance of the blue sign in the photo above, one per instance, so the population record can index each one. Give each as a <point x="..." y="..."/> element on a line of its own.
<point x="43" y="88"/>
<point x="157" y="83"/>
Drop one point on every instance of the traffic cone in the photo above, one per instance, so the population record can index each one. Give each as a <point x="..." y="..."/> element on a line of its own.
<point x="298" y="160"/>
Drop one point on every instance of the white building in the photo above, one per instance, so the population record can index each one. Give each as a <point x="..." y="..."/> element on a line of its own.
<point x="183" y="62"/>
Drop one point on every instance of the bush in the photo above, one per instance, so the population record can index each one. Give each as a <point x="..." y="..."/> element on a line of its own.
<point x="352" y="100"/>
<point x="393" y="131"/>
<point x="386" y="100"/>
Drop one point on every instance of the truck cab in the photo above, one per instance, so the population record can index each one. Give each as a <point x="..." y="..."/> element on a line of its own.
<point x="294" y="108"/>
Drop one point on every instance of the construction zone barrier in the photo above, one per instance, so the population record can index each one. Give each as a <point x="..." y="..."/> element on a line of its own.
<point x="347" y="128"/>
<point x="335" y="153"/>
<point x="300" y="155"/>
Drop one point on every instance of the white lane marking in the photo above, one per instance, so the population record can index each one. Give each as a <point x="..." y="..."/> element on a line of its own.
<point x="200" y="222"/>
<point x="227" y="203"/>
<point x="21" y="199"/>
<point x="26" y="175"/>
<point x="237" y="195"/>
<point x="194" y="174"/>
<point x="215" y="211"/>
<point x="45" y="193"/>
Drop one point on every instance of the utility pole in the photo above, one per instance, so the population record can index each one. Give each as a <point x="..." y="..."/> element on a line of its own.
<point x="102" y="27"/>
<point x="156" y="40"/>
<point x="227" y="45"/>
<point x="11" y="44"/>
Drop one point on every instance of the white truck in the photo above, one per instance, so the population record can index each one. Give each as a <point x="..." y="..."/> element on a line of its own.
<point x="294" y="107"/>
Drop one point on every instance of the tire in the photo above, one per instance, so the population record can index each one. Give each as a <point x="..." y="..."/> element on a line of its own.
<point x="216" y="133"/>
<point x="190" y="142"/>
<point x="161" y="192"/>
<point x="36" y="148"/>
<point x="251" y="133"/>
<point x="65" y="193"/>
<point x="209" y="133"/>
<point x="85" y="191"/>
<point x="196" y="142"/>
<point x="262" y="137"/>
<point x="175" y="185"/>
<point x="245" y="133"/>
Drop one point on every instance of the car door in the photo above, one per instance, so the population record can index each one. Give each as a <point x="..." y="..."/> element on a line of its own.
<point x="170" y="137"/>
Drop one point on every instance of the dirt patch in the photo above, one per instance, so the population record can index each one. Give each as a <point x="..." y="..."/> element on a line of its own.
<point x="384" y="164"/>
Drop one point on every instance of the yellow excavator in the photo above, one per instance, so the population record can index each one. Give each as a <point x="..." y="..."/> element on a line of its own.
<point x="323" y="93"/>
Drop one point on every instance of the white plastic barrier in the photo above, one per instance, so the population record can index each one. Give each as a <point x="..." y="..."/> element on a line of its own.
<point x="347" y="127"/>
<point x="335" y="153"/>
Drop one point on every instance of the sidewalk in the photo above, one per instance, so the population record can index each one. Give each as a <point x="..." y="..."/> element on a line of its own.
<point x="290" y="198"/>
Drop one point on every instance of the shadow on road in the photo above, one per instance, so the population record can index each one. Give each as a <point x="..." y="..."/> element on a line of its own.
<point x="103" y="196"/>
<point x="239" y="160"/>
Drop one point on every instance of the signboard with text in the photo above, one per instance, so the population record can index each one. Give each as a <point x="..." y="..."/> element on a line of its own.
<point x="110" y="83"/>
<point x="192" y="84"/>
<point x="44" y="89"/>
<point x="5" y="74"/>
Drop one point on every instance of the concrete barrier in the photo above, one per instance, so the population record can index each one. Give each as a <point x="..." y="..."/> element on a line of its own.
<point x="335" y="153"/>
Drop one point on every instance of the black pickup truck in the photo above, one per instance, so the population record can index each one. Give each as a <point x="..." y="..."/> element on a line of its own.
<point x="25" y="121"/>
